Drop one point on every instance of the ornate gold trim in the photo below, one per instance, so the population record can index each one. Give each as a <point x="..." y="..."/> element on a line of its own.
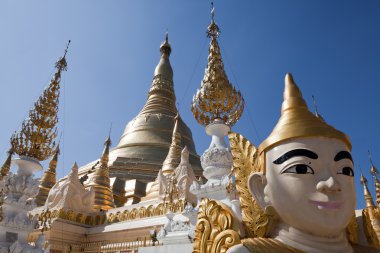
<point x="144" y="212"/>
<point x="88" y="219"/>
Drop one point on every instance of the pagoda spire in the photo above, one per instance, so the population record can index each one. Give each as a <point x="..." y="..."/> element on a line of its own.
<point x="174" y="155"/>
<point x="375" y="174"/>
<point x="36" y="139"/>
<point x="367" y="194"/>
<point x="48" y="180"/>
<point x="7" y="165"/>
<point x="370" y="216"/>
<point x="217" y="99"/>
<point x="100" y="181"/>
<point x="161" y="97"/>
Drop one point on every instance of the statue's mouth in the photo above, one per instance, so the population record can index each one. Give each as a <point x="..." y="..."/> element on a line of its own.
<point x="327" y="204"/>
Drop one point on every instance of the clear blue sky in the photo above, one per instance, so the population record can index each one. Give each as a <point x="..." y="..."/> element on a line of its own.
<point x="331" y="47"/>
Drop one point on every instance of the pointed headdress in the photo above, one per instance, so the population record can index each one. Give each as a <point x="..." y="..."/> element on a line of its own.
<point x="297" y="121"/>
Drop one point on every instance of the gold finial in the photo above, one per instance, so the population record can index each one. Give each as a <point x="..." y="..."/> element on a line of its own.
<point x="48" y="180"/>
<point x="297" y="121"/>
<point x="37" y="136"/>
<point x="165" y="47"/>
<point x="316" y="109"/>
<point x="100" y="181"/>
<point x="213" y="30"/>
<point x="174" y="155"/>
<point x="374" y="170"/>
<point x="105" y="155"/>
<point x="217" y="98"/>
<point x="61" y="64"/>
<point x="7" y="165"/>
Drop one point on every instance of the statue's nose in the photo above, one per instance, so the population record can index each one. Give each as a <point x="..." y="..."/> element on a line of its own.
<point x="328" y="185"/>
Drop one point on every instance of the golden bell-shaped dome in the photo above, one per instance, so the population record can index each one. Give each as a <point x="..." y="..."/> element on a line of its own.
<point x="297" y="121"/>
<point x="145" y="142"/>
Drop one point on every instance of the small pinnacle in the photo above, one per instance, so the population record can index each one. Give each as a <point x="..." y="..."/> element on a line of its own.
<point x="370" y="157"/>
<point x="67" y="47"/>
<point x="212" y="11"/>
<point x="109" y="133"/>
<point x="57" y="150"/>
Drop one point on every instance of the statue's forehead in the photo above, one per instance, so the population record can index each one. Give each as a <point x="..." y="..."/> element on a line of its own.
<point x="319" y="145"/>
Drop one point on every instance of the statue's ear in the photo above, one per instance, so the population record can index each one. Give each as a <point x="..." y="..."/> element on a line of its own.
<point x="256" y="185"/>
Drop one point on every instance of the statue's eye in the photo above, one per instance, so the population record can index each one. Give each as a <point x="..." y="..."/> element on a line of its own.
<point x="299" y="169"/>
<point x="346" y="171"/>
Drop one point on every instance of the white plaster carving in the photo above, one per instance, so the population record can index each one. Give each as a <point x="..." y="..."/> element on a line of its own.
<point x="19" y="191"/>
<point x="185" y="177"/>
<point x="162" y="184"/>
<point x="217" y="159"/>
<point x="176" y="230"/>
<point x="18" y="247"/>
<point x="70" y="194"/>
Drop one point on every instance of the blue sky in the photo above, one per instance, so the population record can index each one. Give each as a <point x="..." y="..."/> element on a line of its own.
<point x="331" y="47"/>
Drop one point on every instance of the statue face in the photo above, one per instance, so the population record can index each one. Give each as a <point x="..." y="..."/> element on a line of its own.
<point x="310" y="183"/>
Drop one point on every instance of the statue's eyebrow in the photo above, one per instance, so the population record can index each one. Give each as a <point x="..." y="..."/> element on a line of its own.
<point x="343" y="155"/>
<point x="295" y="152"/>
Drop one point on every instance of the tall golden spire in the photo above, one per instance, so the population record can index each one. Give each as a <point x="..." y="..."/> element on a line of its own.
<point x="174" y="155"/>
<point x="297" y="121"/>
<point x="38" y="132"/>
<point x="100" y="181"/>
<point x="217" y="98"/>
<point x="7" y="164"/>
<point x="162" y="89"/>
<point x="375" y="174"/>
<point x="48" y="180"/>
<point x="367" y="194"/>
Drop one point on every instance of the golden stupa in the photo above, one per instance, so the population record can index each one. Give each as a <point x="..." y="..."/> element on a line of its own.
<point x="48" y="180"/>
<point x="145" y="142"/>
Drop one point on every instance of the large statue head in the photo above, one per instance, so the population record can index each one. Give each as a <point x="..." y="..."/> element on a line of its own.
<point x="306" y="170"/>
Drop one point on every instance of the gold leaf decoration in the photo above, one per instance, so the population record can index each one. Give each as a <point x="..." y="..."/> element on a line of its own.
<point x="245" y="162"/>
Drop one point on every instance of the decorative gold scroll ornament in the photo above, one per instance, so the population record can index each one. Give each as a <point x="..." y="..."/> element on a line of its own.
<point x="217" y="98"/>
<point x="216" y="230"/>
<point x="38" y="131"/>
